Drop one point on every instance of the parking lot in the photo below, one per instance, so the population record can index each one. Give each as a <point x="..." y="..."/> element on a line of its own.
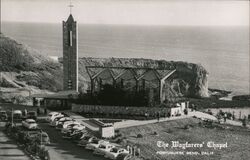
<point x="59" y="148"/>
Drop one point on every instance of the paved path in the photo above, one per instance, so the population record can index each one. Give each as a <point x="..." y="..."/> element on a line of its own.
<point x="8" y="148"/>
<point x="198" y="114"/>
<point x="131" y="123"/>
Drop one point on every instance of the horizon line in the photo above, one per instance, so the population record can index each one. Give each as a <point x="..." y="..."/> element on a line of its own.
<point x="125" y="24"/>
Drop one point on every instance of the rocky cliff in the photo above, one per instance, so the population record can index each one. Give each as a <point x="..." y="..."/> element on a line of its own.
<point x="24" y="69"/>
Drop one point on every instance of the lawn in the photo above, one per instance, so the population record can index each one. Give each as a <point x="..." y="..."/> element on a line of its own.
<point x="214" y="103"/>
<point x="192" y="131"/>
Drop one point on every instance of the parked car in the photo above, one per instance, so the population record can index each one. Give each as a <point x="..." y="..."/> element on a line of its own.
<point x="65" y="124"/>
<point x="69" y="127"/>
<point x="62" y="120"/>
<point x="29" y="123"/>
<point x="79" y="127"/>
<point x="50" y="115"/>
<point x="3" y="115"/>
<point x="73" y="126"/>
<point x="114" y="152"/>
<point x="17" y="115"/>
<point x="85" y="140"/>
<point x="124" y="156"/>
<point x="55" y="120"/>
<point x="53" y="116"/>
<point x="103" y="148"/>
<point x="79" y="135"/>
<point x="68" y="134"/>
<point x="95" y="143"/>
<point x="32" y="115"/>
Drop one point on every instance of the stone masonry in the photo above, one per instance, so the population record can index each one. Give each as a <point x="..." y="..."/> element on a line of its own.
<point x="70" y="54"/>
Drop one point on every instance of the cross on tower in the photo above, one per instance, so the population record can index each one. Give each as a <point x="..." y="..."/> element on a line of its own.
<point x="70" y="6"/>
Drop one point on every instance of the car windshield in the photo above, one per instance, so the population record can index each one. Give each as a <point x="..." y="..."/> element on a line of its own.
<point x="115" y="150"/>
<point x="32" y="113"/>
<point x="70" y="126"/>
<point x="86" y="138"/>
<point x="95" y="141"/>
<point x="65" y="120"/>
<point x="31" y="122"/>
<point x="102" y="146"/>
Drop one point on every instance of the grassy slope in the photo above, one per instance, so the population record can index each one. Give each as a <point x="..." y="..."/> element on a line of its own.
<point x="23" y="70"/>
<point x="238" y="139"/>
<point x="214" y="103"/>
<point x="28" y="66"/>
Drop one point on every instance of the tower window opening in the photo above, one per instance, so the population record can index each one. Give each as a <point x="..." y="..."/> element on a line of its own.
<point x="69" y="84"/>
<point x="70" y="38"/>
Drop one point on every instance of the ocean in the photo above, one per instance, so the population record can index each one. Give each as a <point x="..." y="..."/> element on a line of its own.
<point x="223" y="51"/>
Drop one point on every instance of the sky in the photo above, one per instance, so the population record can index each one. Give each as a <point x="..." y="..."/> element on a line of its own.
<point x="130" y="12"/>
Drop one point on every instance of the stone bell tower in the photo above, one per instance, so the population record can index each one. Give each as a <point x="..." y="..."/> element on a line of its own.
<point x="70" y="54"/>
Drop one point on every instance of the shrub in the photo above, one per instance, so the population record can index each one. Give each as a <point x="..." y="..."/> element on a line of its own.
<point x="139" y="136"/>
<point x="155" y="133"/>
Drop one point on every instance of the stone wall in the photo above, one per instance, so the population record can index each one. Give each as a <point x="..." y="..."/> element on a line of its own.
<point x="120" y="110"/>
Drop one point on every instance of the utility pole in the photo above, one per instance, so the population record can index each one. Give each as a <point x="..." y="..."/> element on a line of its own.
<point x="12" y="117"/>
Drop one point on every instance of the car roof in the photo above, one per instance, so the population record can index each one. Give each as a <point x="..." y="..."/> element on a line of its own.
<point x="117" y="147"/>
<point x="17" y="111"/>
<point x="52" y="113"/>
<point x="30" y="120"/>
<point x="70" y="122"/>
<point x="106" y="143"/>
<point x="57" y="114"/>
